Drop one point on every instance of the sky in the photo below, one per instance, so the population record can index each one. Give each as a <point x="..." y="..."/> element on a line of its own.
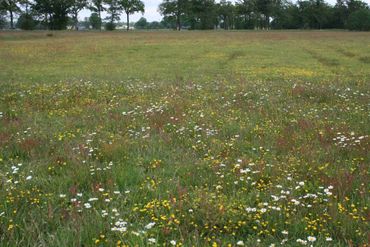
<point x="151" y="11"/>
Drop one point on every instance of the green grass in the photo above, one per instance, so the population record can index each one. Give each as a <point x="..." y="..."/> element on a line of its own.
<point x="216" y="137"/>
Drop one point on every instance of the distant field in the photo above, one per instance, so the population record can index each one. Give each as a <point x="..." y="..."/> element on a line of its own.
<point x="186" y="55"/>
<point x="184" y="138"/>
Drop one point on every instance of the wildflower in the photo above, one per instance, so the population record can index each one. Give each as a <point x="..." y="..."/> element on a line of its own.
<point x="301" y="241"/>
<point x="150" y="225"/>
<point x="311" y="238"/>
<point x="295" y="202"/>
<point x="251" y="209"/>
<point x="173" y="242"/>
<point x="285" y="232"/>
<point x="62" y="195"/>
<point x="240" y="243"/>
<point x="87" y="205"/>
<point x="151" y="240"/>
<point x="29" y="178"/>
<point x="329" y="239"/>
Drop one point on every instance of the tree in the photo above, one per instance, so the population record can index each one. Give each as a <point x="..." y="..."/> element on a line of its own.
<point x="355" y="5"/>
<point x="12" y="7"/>
<point x="2" y="19"/>
<point x="287" y="17"/>
<point x="43" y="10"/>
<point x="77" y="6"/>
<point x="141" y="24"/>
<point x="131" y="7"/>
<point x="226" y="12"/>
<point x="97" y="6"/>
<point x="174" y="9"/>
<point x="340" y="14"/>
<point x="359" y="20"/>
<point x="155" y="25"/>
<point x="26" y="22"/>
<point x="246" y="10"/>
<point x="54" y="12"/>
<point x="95" y="21"/>
<point x="114" y="10"/>
<point x="266" y="9"/>
<point x="203" y="14"/>
<point x="314" y="13"/>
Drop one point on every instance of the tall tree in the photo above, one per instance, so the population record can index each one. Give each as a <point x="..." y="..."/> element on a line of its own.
<point x="98" y="7"/>
<point x="267" y="8"/>
<point x="203" y="14"/>
<point x="77" y="6"/>
<point x="114" y="10"/>
<point x="141" y="24"/>
<point x="314" y="13"/>
<point x="247" y="10"/>
<point x="95" y="21"/>
<point x="43" y="10"/>
<point x="131" y="7"/>
<point x="2" y="19"/>
<point x="226" y="12"/>
<point x="12" y="7"/>
<point x="174" y="8"/>
<point x="55" y="12"/>
<point x="25" y="5"/>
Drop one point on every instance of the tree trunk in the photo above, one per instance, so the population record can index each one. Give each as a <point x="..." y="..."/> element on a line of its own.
<point x="11" y="19"/>
<point x="178" y="23"/>
<point x="75" y="21"/>
<point x="128" y="21"/>
<point x="99" y="13"/>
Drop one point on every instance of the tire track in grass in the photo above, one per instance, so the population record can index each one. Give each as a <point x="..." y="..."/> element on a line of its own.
<point x="351" y="55"/>
<point x="364" y="59"/>
<point x="328" y="62"/>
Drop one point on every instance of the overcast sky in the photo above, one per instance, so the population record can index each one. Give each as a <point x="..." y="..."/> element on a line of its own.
<point x="151" y="11"/>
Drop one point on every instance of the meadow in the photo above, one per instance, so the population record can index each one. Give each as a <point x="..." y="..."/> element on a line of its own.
<point x="184" y="138"/>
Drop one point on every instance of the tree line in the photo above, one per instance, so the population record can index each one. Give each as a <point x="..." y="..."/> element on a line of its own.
<point x="191" y="14"/>
<point x="57" y="14"/>
<point x="266" y="14"/>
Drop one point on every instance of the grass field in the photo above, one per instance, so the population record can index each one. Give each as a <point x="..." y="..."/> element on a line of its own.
<point x="184" y="138"/>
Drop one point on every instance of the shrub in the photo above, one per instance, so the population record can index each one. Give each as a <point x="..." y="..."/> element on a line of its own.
<point x="110" y="26"/>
